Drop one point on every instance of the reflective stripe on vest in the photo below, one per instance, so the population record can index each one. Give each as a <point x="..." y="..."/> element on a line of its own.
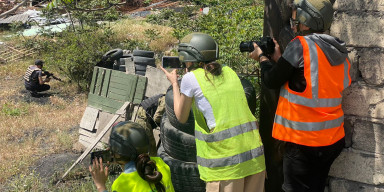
<point x="313" y="117"/>
<point x="133" y="182"/>
<point x="233" y="150"/>
<point x="29" y="72"/>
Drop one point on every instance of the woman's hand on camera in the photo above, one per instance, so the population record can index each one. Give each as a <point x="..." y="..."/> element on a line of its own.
<point x="99" y="174"/>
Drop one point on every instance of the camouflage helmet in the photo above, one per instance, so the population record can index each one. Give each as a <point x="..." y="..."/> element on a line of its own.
<point x="198" y="47"/>
<point x="128" y="139"/>
<point x="316" y="14"/>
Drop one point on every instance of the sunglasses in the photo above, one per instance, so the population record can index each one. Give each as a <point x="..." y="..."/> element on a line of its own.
<point x="293" y="22"/>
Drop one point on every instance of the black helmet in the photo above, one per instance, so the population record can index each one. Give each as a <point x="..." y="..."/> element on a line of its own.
<point x="128" y="139"/>
<point x="39" y="62"/>
<point x="316" y="14"/>
<point x="198" y="47"/>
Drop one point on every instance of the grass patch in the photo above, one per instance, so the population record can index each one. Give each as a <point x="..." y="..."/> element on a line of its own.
<point x="14" y="109"/>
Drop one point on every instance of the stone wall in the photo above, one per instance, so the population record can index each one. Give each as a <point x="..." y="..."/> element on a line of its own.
<point x="360" y="167"/>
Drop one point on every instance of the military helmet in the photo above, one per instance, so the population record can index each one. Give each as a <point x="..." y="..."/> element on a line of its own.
<point x="39" y="62"/>
<point x="128" y="139"/>
<point x="316" y="14"/>
<point x="198" y="47"/>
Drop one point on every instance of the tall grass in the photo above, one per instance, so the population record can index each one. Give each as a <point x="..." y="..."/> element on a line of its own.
<point x="128" y="29"/>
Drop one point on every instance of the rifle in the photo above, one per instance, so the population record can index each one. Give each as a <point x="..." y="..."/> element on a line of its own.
<point x="48" y="74"/>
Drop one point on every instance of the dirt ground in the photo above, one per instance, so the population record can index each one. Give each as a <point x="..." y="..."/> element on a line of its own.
<point x="48" y="167"/>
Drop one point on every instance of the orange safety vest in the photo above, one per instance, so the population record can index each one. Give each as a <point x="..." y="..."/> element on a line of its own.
<point x="313" y="117"/>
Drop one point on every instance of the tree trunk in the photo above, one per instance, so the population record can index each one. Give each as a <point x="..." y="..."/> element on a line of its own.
<point x="276" y="24"/>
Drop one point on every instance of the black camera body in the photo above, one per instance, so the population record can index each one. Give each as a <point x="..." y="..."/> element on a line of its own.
<point x="266" y="44"/>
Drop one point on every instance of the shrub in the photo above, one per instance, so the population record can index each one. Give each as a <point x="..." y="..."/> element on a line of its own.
<point x="75" y="54"/>
<point x="228" y="22"/>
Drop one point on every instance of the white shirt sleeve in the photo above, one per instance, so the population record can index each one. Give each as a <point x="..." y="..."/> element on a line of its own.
<point x="191" y="88"/>
<point x="189" y="85"/>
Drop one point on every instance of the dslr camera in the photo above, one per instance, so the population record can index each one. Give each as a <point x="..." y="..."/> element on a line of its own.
<point x="266" y="45"/>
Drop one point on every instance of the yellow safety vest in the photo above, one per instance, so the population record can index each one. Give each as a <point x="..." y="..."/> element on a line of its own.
<point x="233" y="150"/>
<point x="127" y="182"/>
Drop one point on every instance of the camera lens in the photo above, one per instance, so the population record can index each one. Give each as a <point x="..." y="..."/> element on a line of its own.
<point x="246" y="46"/>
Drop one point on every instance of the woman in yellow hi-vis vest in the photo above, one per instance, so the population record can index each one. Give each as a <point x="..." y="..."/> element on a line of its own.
<point x="230" y="154"/>
<point x="129" y="146"/>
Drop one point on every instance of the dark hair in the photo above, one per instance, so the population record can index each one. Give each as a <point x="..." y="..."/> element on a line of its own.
<point x="213" y="68"/>
<point x="148" y="171"/>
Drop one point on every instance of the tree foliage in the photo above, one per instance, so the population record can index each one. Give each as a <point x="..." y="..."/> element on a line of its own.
<point x="229" y="22"/>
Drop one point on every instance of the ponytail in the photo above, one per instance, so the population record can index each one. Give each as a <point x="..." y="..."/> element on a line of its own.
<point x="148" y="171"/>
<point x="213" y="68"/>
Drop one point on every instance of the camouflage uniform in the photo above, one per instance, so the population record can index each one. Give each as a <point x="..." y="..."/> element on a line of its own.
<point x="150" y="122"/>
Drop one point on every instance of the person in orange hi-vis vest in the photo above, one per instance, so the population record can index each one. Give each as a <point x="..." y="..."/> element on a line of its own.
<point x="311" y="74"/>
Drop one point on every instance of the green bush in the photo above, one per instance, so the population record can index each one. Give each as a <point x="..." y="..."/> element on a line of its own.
<point x="229" y="22"/>
<point x="75" y="54"/>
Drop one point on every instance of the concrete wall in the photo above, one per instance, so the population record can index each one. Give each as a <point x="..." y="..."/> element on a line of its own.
<point x="360" y="167"/>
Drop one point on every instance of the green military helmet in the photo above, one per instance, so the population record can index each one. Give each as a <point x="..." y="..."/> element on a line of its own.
<point x="128" y="139"/>
<point x="316" y="14"/>
<point x="198" y="47"/>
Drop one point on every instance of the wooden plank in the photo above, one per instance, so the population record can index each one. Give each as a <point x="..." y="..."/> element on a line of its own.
<point x="128" y="82"/>
<point x="97" y="139"/>
<point x="129" y="66"/>
<point x="87" y="141"/>
<point x="132" y="91"/>
<point x="103" y="103"/>
<point x="122" y="80"/>
<point x="157" y="82"/>
<point x="117" y="96"/>
<point x="106" y="82"/>
<point x="87" y="133"/>
<point x="103" y="121"/>
<point x="119" y="85"/>
<point x="140" y="90"/>
<point x="99" y="82"/>
<point x="120" y="74"/>
<point x="94" y="79"/>
<point x="89" y="118"/>
<point x="104" y="118"/>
